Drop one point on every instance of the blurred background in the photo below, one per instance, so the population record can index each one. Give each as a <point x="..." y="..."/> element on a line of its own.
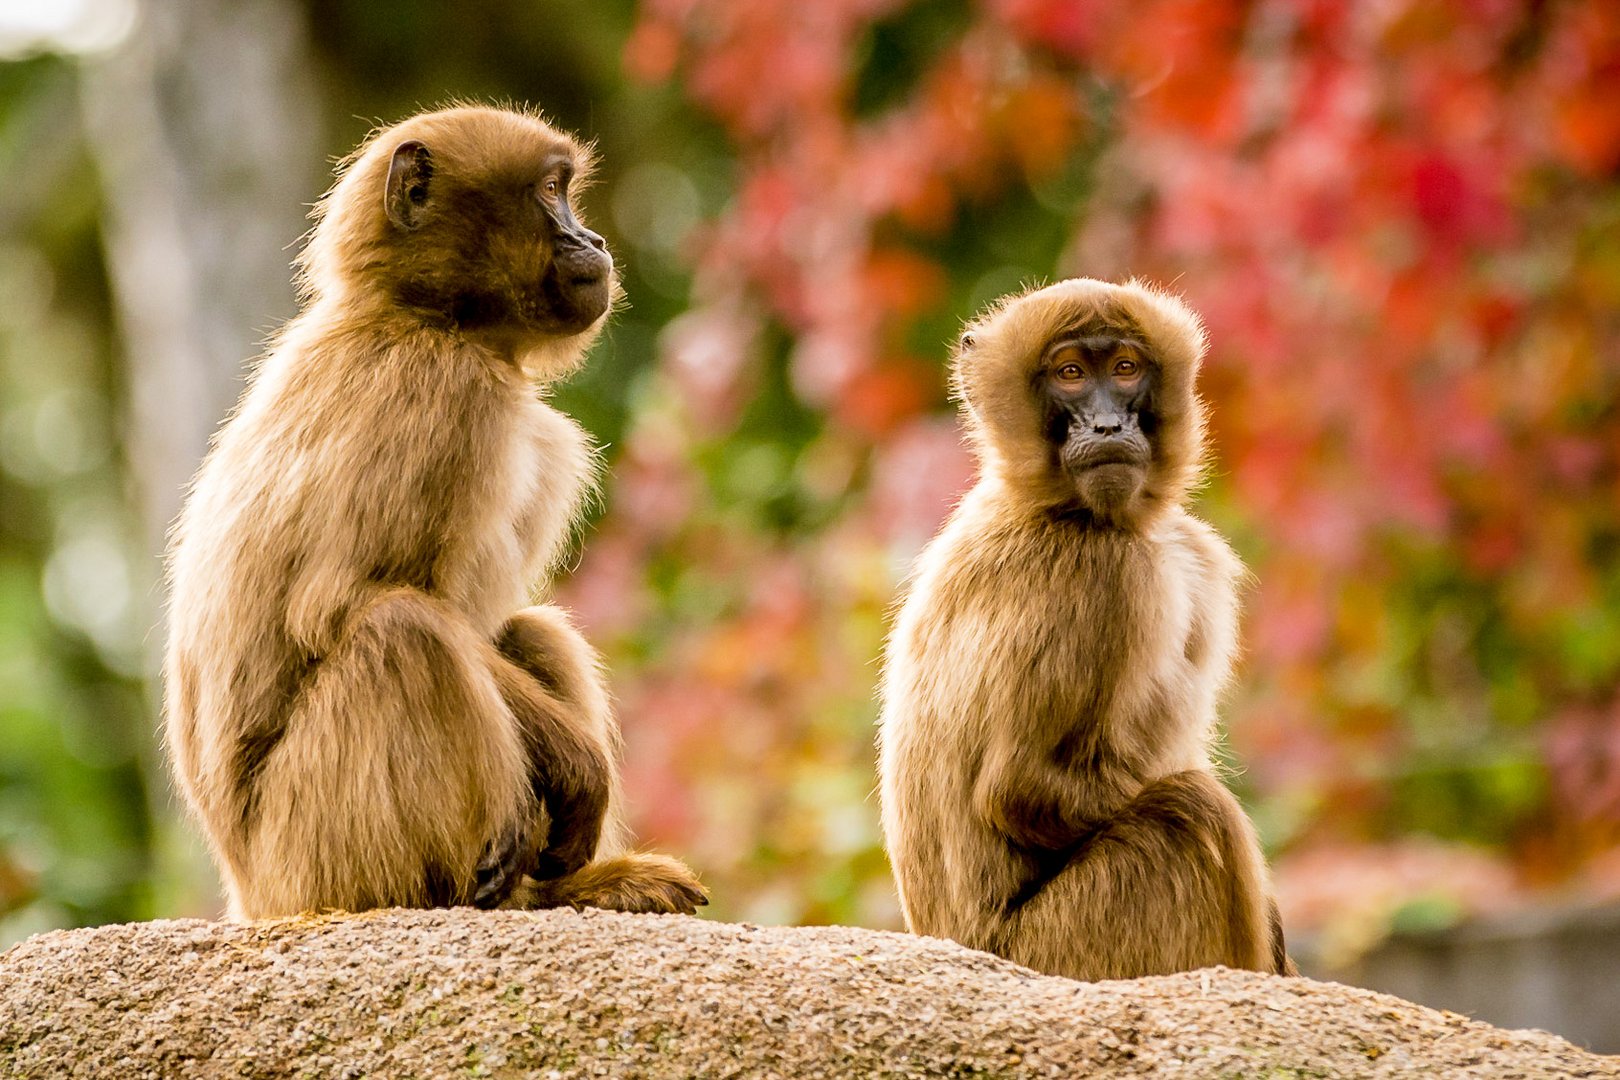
<point x="1401" y="220"/>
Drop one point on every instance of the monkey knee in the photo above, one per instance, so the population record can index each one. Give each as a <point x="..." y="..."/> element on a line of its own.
<point x="544" y="642"/>
<point x="1190" y="800"/>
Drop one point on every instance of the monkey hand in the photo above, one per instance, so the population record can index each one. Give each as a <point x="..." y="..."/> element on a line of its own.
<point x="506" y="858"/>
<point x="1033" y="823"/>
<point x="1040" y="806"/>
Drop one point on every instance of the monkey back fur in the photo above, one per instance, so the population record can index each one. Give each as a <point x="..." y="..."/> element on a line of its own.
<point x="361" y="711"/>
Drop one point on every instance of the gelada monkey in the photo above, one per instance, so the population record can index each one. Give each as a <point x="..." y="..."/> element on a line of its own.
<point x="1051" y="681"/>
<point x="360" y="709"/>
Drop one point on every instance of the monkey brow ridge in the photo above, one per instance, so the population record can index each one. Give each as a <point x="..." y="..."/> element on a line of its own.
<point x="1097" y="343"/>
<point x="1109" y="322"/>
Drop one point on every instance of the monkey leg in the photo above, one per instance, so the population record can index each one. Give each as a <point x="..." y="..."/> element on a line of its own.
<point x="571" y="775"/>
<point x="398" y="763"/>
<point x="552" y="680"/>
<point x="543" y="643"/>
<point x="1174" y="882"/>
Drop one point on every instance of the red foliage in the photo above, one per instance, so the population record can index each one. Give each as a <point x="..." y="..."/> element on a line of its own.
<point x="1398" y="221"/>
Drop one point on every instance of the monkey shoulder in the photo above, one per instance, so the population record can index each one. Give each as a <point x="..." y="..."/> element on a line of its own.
<point x="978" y="563"/>
<point x="998" y="600"/>
<point x="1207" y="555"/>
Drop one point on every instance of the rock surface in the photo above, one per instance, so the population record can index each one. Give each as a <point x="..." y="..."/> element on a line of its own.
<point x="565" y="994"/>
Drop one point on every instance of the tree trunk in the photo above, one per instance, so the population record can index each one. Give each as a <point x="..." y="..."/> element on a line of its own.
<point x="205" y="126"/>
<point x="206" y="131"/>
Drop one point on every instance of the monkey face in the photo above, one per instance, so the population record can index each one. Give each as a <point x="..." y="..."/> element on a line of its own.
<point x="576" y="286"/>
<point x="512" y="257"/>
<point x="1080" y="395"/>
<point x="465" y="217"/>
<point x="1098" y="392"/>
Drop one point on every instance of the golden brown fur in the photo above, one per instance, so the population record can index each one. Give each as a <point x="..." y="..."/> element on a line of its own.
<point x="357" y="710"/>
<point x="1051" y="682"/>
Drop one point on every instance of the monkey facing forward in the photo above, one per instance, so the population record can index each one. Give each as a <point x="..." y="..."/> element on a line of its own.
<point x="357" y="710"/>
<point x="1051" y="682"/>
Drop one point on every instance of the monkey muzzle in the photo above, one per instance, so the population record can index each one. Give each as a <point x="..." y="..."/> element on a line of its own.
<point x="579" y="288"/>
<point x="1094" y="444"/>
<point x="1106" y="462"/>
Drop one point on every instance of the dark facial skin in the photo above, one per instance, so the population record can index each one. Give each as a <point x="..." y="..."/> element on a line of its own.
<point x="576" y="285"/>
<point x="474" y="268"/>
<point x="1099" y="390"/>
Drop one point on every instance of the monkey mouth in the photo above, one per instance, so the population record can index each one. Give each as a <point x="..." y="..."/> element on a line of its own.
<point x="576" y="296"/>
<point x="1082" y="456"/>
<point x="1110" y="457"/>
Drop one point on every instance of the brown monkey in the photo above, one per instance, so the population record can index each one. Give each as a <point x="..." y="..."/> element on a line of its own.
<point x="1051" y="682"/>
<point x="357" y="711"/>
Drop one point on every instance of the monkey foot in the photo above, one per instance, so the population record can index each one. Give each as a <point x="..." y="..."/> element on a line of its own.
<point x="641" y="884"/>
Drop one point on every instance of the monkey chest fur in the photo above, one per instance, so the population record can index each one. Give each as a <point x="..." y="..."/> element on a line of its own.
<point x="1090" y="642"/>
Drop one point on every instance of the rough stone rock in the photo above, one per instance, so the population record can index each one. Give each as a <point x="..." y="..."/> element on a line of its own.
<point x="462" y="993"/>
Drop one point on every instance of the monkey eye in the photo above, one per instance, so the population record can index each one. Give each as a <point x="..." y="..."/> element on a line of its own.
<point x="1071" y="372"/>
<point x="1127" y="368"/>
<point x="551" y="187"/>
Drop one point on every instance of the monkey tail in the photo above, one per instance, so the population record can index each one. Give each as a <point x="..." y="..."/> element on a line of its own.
<point x="1279" y="947"/>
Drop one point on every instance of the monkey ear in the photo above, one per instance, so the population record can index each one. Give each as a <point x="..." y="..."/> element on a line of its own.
<point x="409" y="172"/>
<point x="966" y="341"/>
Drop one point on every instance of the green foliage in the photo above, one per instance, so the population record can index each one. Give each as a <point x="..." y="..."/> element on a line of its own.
<point x="75" y="832"/>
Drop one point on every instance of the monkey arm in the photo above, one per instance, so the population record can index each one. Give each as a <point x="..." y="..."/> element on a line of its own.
<point x="1183" y="859"/>
<point x="1026" y="795"/>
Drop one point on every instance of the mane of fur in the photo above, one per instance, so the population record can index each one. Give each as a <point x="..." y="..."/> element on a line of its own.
<point x="994" y="370"/>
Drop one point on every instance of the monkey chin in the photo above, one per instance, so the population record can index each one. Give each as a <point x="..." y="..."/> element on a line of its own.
<point x="550" y="343"/>
<point x="575" y="303"/>
<point x="1110" y="489"/>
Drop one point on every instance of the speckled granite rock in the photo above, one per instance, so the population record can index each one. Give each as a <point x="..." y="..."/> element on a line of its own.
<point x="563" y="994"/>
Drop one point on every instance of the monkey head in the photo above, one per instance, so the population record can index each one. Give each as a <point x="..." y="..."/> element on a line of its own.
<point x="1081" y="395"/>
<point x="464" y="217"/>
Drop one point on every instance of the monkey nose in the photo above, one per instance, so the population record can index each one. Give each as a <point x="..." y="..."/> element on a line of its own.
<point x="594" y="239"/>
<point x="1112" y="425"/>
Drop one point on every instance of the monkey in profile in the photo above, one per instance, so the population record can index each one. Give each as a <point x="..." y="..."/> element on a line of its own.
<point x="360" y="710"/>
<point x="1051" y="682"/>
